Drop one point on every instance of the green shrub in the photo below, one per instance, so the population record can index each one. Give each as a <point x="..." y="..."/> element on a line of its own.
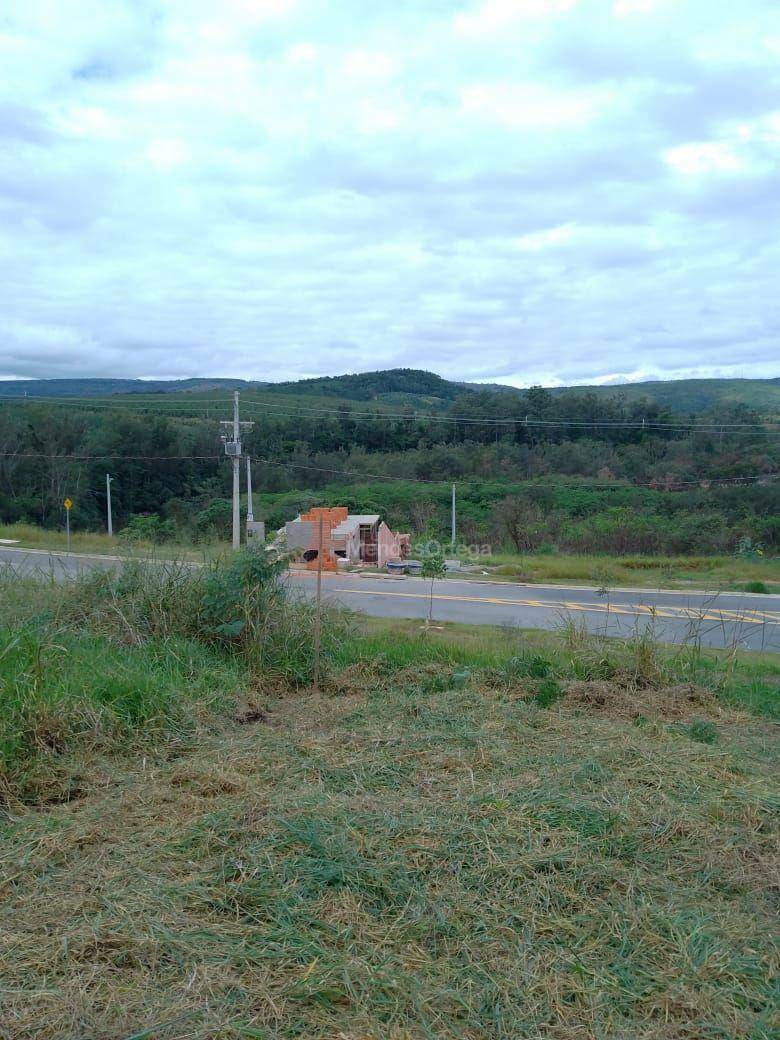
<point x="530" y="666"/>
<point x="148" y="528"/>
<point x="748" y="549"/>
<point x="756" y="586"/>
<point x="547" y="693"/>
<point x="216" y="520"/>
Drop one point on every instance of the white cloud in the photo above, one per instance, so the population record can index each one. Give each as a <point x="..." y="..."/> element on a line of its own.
<point x="537" y="241"/>
<point x="258" y="190"/>
<point x="704" y="157"/>
<point x="624" y="8"/>
<point x="527" y="104"/>
<point x="495" y="16"/>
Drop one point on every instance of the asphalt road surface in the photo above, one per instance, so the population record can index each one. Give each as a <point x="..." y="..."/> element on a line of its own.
<point x="717" y="619"/>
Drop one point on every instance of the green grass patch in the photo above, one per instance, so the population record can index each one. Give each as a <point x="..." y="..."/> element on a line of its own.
<point x="29" y="536"/>
<point x="749" y="680"/>
<point x="712" y="572"/>
<point x="65" y="691"/>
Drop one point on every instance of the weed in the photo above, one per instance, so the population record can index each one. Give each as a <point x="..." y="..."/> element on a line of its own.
<point x="547" y="693"/>
<point x="702" y="731"/>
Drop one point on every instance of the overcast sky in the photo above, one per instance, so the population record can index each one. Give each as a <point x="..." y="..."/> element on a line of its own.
<point x="519" y="191"/>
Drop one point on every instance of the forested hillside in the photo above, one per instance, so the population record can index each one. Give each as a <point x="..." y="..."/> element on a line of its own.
<point x="418" y="388"/>
<point x="391" y="384"/>
<point x="699" y="395"/>
<point x="572" y="470"/>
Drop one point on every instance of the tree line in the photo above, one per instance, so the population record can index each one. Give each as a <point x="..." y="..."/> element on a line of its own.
<point x="172" y="466"/>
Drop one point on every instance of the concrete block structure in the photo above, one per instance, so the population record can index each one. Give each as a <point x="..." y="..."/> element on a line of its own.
<point x="353" y="537"/>
<point x="255" y="531"/>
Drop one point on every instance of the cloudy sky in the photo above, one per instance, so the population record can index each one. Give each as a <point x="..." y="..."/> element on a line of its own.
<point x="520" y="191"/>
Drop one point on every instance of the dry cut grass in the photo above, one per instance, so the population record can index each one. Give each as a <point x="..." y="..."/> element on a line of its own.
<point x="416" y="854"/>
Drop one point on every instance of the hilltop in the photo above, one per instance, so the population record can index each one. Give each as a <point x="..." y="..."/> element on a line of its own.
<point x="697" y="395"/>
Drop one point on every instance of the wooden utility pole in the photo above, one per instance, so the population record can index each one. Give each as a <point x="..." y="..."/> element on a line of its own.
<point x="318" y="615"/>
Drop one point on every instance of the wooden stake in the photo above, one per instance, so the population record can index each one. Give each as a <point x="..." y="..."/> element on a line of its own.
<point x="318" y="616"/>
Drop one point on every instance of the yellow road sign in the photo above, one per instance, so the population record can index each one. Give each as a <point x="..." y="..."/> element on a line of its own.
<point x="67" y="503"/>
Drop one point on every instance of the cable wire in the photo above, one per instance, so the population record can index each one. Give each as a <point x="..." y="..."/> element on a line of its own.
<point x="347" y="412"/>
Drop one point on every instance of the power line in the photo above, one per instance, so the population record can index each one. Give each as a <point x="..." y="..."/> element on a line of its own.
<point x="319" y="412"/>
<point x="347" y="412"/>
<point x="105" y="458"/>
<point x="615" y="485"/>
<point x="529" y="480"/>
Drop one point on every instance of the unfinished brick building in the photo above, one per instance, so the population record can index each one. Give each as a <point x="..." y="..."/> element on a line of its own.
<point x="353" y="537"/>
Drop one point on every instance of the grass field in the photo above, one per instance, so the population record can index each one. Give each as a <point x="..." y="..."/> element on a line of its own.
<point x="28" y="536"/>
<point x="708" y="572"/>
<point x="468" y="833"/>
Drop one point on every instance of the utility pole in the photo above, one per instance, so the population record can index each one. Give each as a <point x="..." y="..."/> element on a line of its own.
<point x="249" y="507"/>
<point x="109" y="517"/>
<point x="236" y="474"/>
<point x="233" y="451"/>
<point x="453" y="516"/>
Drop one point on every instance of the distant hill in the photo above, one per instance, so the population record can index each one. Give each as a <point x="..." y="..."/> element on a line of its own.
<point x="417" y="389"/>
<point x="393" y="384"/>
<point x="698" y="395"/>
<point x="106" y="387"/>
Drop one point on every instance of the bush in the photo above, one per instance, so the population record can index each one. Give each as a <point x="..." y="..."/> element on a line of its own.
<point x="148" y="527"/>
<point x="748" y="549"/>
<point x="215" y="521"/>
<point x="548" y="692"/>
<point x="756" y="586"/>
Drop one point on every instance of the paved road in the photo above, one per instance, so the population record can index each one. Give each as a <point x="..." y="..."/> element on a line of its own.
<point x="717" y="619"/>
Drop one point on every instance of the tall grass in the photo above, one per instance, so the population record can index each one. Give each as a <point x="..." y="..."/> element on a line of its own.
<point x="144" y="655"/>
<point x="241" y="604"/>
<point x="149" y="654"/>
<point x="649" y="571"/>
<point x="62" y="691"/>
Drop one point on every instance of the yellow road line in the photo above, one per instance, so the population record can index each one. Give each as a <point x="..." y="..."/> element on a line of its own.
<point x="672" y="613"/>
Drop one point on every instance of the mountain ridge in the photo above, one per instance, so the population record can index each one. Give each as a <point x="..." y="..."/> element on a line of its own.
<point x="417" y="387"/>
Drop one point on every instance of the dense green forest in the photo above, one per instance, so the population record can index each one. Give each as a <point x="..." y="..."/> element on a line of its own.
<point x="535" y="470"/>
